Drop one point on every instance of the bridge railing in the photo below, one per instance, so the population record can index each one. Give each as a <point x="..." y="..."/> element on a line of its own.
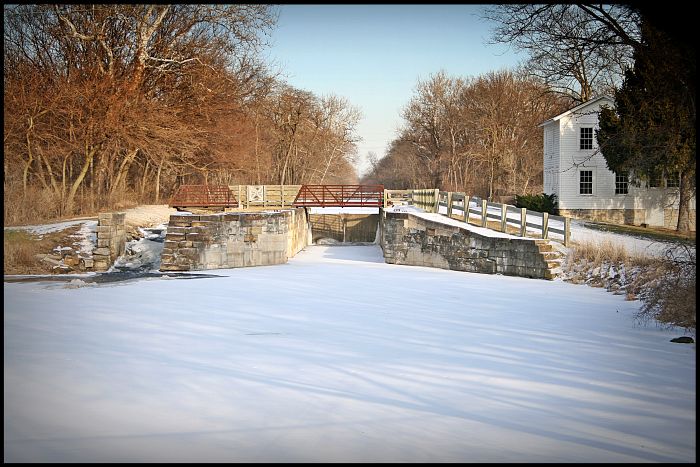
<point x="496" y="216"/>
<point x="204" y="196"/>
<point x="340" y="196"/>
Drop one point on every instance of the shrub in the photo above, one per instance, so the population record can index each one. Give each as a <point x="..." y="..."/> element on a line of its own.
<point x="540" y="203"/>
<point x="670" y="299"/>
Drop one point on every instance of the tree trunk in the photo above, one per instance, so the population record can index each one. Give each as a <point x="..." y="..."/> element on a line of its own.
<point x="144" y="178"/>
<point x="123" y="169"/>
<point x="685" y="194"/>
<point x="160" y="168"/>
<point x="89" y="154"/>
<point x="30" y="158"/>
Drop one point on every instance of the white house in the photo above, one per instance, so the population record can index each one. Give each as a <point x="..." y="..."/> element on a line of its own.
<point x="575" y="171"/>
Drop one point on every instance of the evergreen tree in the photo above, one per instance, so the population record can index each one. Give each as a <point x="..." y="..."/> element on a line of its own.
<point x="651" y="131"/>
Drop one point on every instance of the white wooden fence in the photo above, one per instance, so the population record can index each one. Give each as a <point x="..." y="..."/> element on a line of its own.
<point x="485" y="214"/>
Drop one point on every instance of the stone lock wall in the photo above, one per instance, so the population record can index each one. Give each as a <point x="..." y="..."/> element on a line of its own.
<point x="411" y="240"/>
<point x="233" y="240"/>
<point x="111" y="240"/>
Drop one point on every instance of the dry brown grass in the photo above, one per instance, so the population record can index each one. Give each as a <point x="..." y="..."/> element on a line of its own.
<point x="21" y="248"/>
<point x="41" y="206"/>
<point x="665" y="285"/>
<point x="603" y="251"/>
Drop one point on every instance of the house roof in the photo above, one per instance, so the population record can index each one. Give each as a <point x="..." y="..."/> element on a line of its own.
<point x="577" y="108"/>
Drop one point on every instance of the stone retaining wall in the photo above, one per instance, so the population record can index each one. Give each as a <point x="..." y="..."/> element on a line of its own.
<point x="233" y="240"/>
<point x="412" y="240"/>
<point x="111" y="241"/>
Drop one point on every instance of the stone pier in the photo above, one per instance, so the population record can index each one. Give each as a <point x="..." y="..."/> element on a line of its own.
<point x="233" y="239"/>
<point x="111" y="240"/>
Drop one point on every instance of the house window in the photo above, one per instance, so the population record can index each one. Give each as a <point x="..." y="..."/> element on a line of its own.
<point x="585" y="182"/>
<point x="587" y="138"/>
<point x="549" y="142"/>
<point x="621" y="183"/>
<point x="673" y="181"/>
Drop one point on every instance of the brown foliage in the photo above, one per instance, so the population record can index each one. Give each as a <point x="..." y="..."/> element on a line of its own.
<point x="114" y="104"/>
<point x="475" y="135"/>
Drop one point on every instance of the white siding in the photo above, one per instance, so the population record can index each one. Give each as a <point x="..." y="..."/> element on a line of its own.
<point x="574" y="159"/>
<point x="551" y="158"/>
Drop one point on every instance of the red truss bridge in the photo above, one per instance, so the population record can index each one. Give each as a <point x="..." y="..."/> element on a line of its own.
<point x="340" y="196"/>
<point x="203" y="196"/>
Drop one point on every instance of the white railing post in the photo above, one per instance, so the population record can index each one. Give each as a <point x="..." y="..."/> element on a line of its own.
<point x="449" y="204"/>
<point x="504" y="216"/>
<point x="436" y="205"/>
<point x="523" y="221"/>
<point x="567" y="227"/>
<point x="545" y="224"/>
<point x="483" y="213"/>
<point x="466" y="207"/>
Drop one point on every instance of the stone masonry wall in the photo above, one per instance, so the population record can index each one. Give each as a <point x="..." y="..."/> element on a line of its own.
<point x="411" y="240"/>
<point x="111" y="240"/>
<point x="233" y="240"/>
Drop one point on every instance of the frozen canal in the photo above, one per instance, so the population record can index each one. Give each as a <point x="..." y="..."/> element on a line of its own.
<point x="336" y="356"/>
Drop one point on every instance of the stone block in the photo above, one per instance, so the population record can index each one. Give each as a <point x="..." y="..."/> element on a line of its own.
<point x="103" y="242"/>
<point x="100" y="265"/>
<point x="182" y="218"/>
<point x="177" y="230"/>
<point x="183" y="261"/>
<point x="170" y="244"/>
<point x="188" y="252"/>
<point x="204" y="224"/>
<point x="101" y="251"/>
<point x="231" y="217"/>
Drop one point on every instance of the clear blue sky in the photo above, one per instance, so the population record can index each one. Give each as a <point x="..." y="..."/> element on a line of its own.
<point x="374" y="55"/>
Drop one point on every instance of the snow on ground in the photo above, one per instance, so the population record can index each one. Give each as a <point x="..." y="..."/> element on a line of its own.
<point x="449" y="221"/>
<point x="55" y="227"/>
<point x="634" y="245"/>
<point x="148" y="215"/>
<point x="337" y="356"/>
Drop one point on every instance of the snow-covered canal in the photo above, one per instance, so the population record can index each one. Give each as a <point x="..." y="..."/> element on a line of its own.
<point x="336" y="356"/>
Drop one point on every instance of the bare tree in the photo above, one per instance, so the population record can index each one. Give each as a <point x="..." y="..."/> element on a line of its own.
<point x="579" y="50"/>
<point x="106" y="99"/>
<point x="478" y="135"/>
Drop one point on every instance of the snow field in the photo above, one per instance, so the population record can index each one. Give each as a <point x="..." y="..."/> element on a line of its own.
<point x="336" y="356"/>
